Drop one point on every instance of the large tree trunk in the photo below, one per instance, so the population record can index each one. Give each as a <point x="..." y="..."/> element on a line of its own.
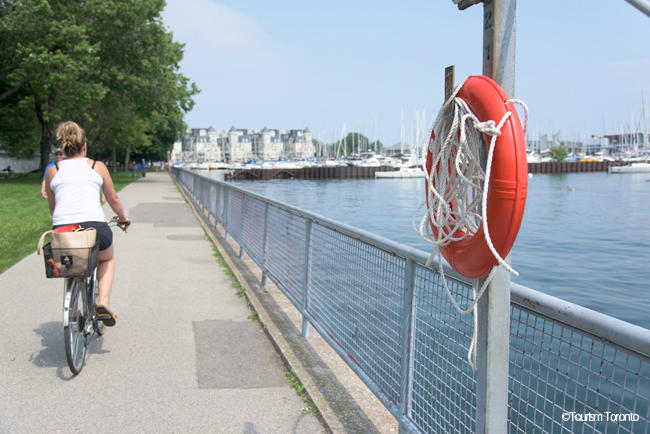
<point x="114" y="158"/>
<point x="128" y="157"/>
<point x="46" y="137"/>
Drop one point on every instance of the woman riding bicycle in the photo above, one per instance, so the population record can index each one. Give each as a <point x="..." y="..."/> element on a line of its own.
<point x="73" y="192"/>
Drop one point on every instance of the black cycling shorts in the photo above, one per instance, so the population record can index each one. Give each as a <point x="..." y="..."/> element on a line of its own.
<point x="104" y="233"/>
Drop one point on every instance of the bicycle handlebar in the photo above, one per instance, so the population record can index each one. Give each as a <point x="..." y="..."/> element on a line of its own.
<point x="123" y="225"/>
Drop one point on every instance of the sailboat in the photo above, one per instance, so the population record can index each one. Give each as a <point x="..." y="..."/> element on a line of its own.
<point x="632" y="168"/>
<point x="403" y="172"/>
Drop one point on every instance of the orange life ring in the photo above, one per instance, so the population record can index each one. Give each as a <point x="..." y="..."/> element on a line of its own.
<point x="508" y="184"/>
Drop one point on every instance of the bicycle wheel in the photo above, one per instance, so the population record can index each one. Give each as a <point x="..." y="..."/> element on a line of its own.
<point x="74" y="324"/>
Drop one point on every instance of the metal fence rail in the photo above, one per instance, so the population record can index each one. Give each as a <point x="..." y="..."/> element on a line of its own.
<point x="388" y="316"/>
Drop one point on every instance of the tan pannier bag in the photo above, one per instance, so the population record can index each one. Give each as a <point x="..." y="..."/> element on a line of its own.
<point x="69" y="254"/>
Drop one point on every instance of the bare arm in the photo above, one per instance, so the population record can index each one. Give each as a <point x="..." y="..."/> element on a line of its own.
<point x="109" y="192"/>
<point x="49" y="193"/>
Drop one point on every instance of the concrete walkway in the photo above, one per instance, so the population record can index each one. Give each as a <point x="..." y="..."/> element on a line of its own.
<point x="183" y="357"/>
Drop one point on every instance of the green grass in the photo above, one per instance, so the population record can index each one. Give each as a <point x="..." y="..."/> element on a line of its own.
<point x="239" y="290"/>
<point x="121" y="180"/>
<point x="24" y="215"/>
<point x="302" y="393"/>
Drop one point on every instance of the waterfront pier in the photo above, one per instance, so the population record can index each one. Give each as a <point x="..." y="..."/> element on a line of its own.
<point x="573" y="166"/>
<point x="360" y="172"/>
<point x="316" y="172"/>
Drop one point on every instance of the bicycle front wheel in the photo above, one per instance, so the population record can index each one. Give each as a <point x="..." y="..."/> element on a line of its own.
<point x="74" y="324"/>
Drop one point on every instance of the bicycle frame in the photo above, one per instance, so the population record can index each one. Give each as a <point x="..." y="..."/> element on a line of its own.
<point x="82" y="310"/>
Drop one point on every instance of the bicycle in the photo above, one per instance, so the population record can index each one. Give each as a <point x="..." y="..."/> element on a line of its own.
<point x="80" y="321"/>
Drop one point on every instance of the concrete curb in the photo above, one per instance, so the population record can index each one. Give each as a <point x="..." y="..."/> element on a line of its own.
<point x="338" y="410"/>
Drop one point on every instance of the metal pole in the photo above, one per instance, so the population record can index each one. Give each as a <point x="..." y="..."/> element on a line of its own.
<point x="642" y="5"/>
<point x="492" y="355"/>
<point x="307" y="275"/>
<point x="226" y="214"/>
<point x="406" y="335"/>
<point x="241" y="226"/>
<point x="493" y="309"/>
<point x="264" y="238"/>
<point x="499" y="33"/>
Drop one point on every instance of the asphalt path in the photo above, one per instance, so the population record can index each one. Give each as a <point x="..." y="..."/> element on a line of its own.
<point x="183" y="357"/>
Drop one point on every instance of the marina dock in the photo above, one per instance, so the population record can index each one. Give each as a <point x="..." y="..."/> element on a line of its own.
<point x="360" y="172"/>
<point x="573" y="166"/>
<point x="316" y="172"/>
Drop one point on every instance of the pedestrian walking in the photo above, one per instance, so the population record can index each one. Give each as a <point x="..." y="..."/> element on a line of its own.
<point x="58" y="156"/>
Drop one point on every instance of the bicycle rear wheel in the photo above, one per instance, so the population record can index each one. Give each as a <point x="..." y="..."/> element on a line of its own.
<point x="74" y="324"/>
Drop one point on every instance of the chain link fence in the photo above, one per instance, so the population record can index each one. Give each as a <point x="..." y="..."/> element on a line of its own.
<point x="388" y="315"/>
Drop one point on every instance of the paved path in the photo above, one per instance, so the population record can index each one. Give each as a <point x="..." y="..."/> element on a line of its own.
<point x="183" y="357"/>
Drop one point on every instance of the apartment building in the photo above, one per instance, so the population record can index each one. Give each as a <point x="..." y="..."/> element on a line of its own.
<point x="209" y="144"/>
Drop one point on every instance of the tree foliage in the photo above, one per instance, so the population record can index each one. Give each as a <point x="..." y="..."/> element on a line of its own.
<point x="559" y="152"/>
<point x="377" y="146"/>
<point x="352" y="144"/>
<point x="110" y="65"/>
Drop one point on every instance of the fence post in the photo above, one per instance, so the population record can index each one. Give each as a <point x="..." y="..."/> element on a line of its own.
<point x="493" y="355"/>
<point x="226" y="213"/>
<point x="264" y="238"/>
<point x="205" y="187"/>
<point x="406" y="334"/>
<point x="307" y="275"/>
<point x="217" y="203"/>
<point x="241" y="226"/>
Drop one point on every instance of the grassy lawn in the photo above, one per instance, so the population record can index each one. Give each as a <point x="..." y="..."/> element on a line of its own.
<point x="24" y="215"/>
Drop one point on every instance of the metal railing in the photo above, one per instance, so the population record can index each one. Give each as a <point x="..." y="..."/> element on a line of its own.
<point x="387" y="315"/>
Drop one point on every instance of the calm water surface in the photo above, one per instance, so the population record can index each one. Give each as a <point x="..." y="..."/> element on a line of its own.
<point x="585" y="237"/>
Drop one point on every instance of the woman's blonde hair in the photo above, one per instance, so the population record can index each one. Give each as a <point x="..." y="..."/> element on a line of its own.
<point x="71" y="137"/>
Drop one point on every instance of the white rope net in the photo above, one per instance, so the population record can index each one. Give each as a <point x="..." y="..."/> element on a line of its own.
<point x="457" y="186"/>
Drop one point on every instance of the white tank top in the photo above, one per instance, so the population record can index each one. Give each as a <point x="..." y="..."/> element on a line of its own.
<point x="76" y="193"/>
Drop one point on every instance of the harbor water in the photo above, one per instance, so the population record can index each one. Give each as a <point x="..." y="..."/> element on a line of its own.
<point x="585" y="237"/>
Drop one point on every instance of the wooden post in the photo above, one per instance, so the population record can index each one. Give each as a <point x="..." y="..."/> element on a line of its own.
<point x="450" y="79"/>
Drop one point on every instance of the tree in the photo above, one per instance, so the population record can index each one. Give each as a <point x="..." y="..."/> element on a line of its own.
<point x="377" y="146"/>
<point x="50" y="65"/>
<point x="320" y="147"/>
<point x="352" y="144"/>
<point x="117" y="128"/>
<point x="103" y="63"/>
<point x="141" y="66"/>
<point x="559" y="152"/>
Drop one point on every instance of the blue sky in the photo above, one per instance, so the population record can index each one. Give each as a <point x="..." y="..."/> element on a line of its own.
<point x="581" y="66"/>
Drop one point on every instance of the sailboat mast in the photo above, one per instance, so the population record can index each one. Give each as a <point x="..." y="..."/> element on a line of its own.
<point x="374" y="133"/>
<point x="646" y="134"/>
<point x="401" y="131"/>
<point x="341" y="142"/>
